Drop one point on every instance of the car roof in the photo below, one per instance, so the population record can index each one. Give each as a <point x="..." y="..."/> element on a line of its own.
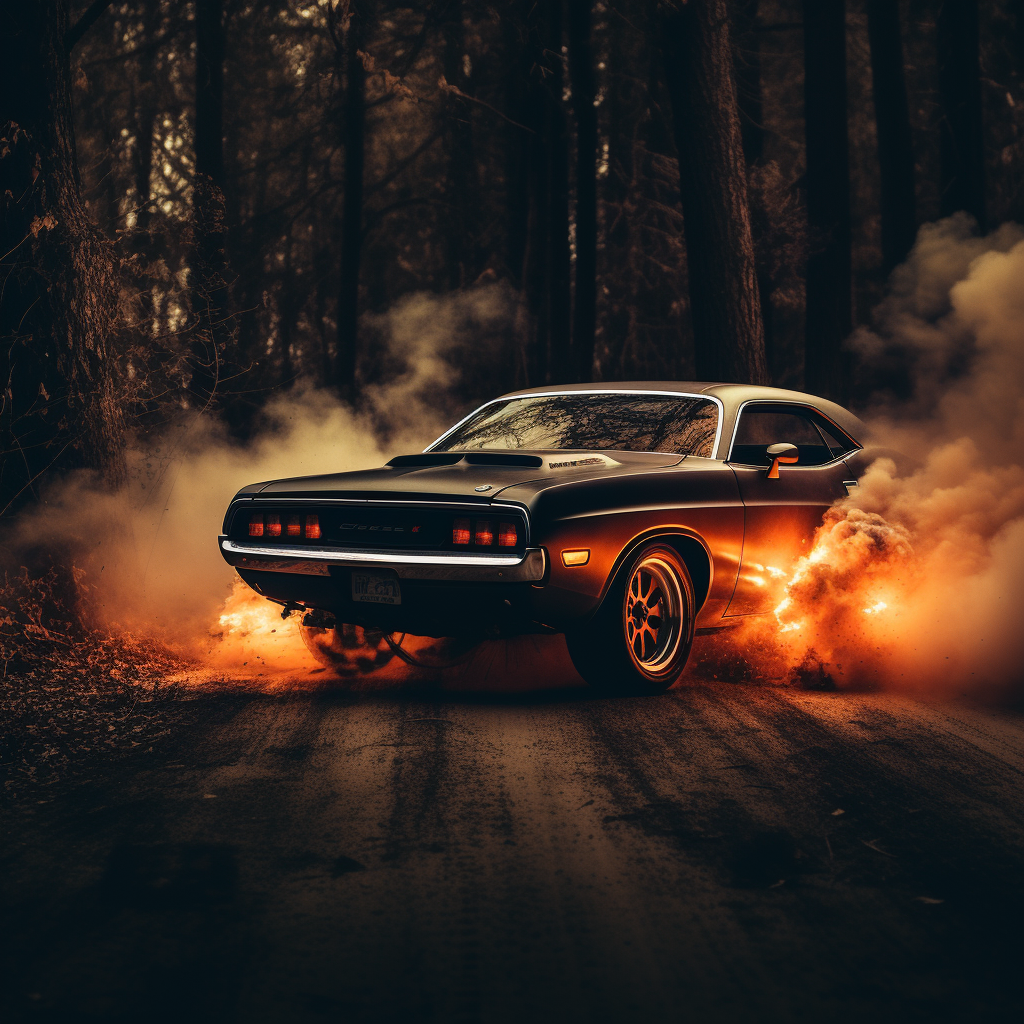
<point x="731" y="397"/>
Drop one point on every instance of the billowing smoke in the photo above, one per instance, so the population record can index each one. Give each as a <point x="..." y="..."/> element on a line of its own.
<point x="918" y="579"/>
<point x="149" y="551"/>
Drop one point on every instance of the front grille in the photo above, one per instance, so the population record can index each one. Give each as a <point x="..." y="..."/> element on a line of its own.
<point x="378" y="527"/>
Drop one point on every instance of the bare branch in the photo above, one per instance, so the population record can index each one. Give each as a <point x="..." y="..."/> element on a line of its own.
<point x="454" y="90"/>
<point x="93" y="13"/>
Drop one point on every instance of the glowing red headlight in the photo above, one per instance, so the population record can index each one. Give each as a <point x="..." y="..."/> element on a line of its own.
<point x="483" y="535"/>
<point x="294" y="526"/>
<point x="460" y="531"/>
<point x="274" y="526"/>
<point x="508" y="536"/>
<point x="312" y="527"/>
<point x="255" y="526"/>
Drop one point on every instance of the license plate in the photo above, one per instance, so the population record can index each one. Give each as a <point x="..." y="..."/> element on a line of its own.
<point x="375" y="589"/>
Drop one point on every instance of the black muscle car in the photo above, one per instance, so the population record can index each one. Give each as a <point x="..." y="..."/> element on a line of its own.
<point x="625" y="516"/>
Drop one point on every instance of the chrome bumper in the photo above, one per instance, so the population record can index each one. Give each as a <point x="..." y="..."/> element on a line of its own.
<point x="408" y="565"/>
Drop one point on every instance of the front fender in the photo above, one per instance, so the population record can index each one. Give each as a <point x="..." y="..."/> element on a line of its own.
<point x="574" y="593"/>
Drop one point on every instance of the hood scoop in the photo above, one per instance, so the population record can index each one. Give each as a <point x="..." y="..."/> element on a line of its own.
<point x="427" y="459"/>
<point x="503" y="459"/>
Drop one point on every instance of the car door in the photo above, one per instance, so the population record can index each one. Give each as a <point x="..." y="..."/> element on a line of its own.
<point x="780" y="515"/>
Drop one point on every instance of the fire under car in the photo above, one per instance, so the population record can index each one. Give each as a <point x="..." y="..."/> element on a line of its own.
<point x="626" y="516"/>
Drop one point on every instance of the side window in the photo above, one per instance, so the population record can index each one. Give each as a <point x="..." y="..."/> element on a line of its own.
<point x="764" y="425"/>
<point x="838" y="442"/>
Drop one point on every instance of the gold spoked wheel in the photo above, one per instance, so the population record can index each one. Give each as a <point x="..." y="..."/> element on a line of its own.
<point x="652" y="614"/>
<point x="639" y="639"/>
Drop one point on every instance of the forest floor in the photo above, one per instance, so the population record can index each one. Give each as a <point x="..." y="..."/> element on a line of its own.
<point x="724" y="852"/>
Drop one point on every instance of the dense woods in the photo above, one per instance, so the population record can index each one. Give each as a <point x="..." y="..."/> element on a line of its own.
<point x="204" y="203"/>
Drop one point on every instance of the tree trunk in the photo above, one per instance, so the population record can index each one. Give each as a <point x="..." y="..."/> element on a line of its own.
<point x="210" y="304"/>
<point x="626" y="108"/>
<point x="291" y="299"/>
<point x="518" y="148"/>
<point x="59" y="317"/>
<point x="461" y="220"/>
<point x="749" y="101"/>
<point x="144" y="109"/>
<point x="727" y="325"/>
<point x="1017" y="10"/>
<point x="895" y="148"/>
<point x="581" y="70"/>
<point x="828" y="196"/>
<point x="558" y="291"/>
<point x="962" y="141"/>
<point x="515" y="141"/>
<point x="353" y="132"/>
<point x="324" y="277"/>
<point x="747" y="58"/>
<point x="546" y="257"/>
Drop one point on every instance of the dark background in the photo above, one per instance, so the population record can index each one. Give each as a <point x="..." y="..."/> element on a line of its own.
<point x="205" y="202"/>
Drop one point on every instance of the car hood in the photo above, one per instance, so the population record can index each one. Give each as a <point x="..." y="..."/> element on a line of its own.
<point x="466" y="476"/>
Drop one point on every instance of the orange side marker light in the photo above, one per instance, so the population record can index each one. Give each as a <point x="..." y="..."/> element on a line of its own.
<point x="580" y="556"/>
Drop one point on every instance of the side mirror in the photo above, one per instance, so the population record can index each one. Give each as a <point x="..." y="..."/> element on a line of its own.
<point x="787" y="453"/>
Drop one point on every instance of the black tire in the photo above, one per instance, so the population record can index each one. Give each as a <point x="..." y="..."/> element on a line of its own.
<point x="640" y="638"/>
<point x="350" y="650"/>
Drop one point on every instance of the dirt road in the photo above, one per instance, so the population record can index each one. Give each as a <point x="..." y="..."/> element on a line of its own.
<point x="725" y="852"/>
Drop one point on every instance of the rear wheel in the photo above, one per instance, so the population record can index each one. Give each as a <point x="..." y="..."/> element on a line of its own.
<point x="640" y="638"/>
<point x="350" y="650"/>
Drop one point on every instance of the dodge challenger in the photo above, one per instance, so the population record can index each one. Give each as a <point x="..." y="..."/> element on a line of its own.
<point x="627" y="516"/>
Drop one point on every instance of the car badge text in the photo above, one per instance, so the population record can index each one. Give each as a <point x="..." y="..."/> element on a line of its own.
<point x="389" y="529"/>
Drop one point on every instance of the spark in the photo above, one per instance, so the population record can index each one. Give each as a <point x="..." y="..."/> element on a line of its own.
<point x="880" y="606"/>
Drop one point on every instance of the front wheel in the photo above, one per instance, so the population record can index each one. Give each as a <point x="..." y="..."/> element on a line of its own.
<point x="640" y="638"/>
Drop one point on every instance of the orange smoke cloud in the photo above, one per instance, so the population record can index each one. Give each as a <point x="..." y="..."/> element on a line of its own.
<point x="149" y="550"/>
<point x="917" y="580"/>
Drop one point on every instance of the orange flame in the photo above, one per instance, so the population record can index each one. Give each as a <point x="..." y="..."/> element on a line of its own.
<point x="251" y="638"/>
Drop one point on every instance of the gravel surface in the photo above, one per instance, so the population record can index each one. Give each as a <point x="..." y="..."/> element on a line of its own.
<point x="725" y="852"/>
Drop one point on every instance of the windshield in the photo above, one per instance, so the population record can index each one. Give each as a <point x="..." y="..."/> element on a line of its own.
<point x="591" y="422"/>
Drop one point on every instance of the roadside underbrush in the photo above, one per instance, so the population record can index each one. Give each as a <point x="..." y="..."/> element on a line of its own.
<point x="70" y="692"/>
